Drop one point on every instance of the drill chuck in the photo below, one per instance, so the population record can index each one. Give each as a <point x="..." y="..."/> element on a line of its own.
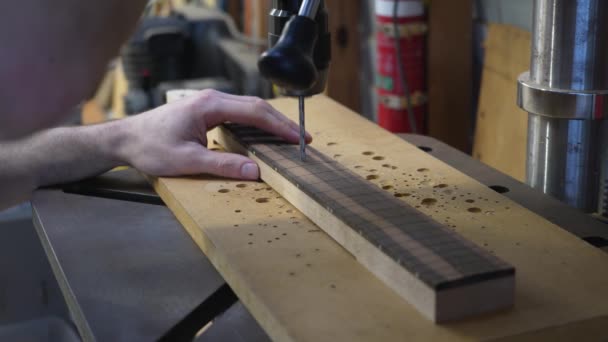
<point x="299" y="48"/>
<point x="289" y="64"/>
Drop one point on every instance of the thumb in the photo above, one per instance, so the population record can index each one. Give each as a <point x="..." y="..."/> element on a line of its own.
<point x="228" y="165"/>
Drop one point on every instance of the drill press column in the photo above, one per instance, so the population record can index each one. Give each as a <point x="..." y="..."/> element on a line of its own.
<point x="565" y="95"/>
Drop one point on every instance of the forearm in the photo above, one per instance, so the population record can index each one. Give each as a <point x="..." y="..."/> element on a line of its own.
<point x="58" y="156"/>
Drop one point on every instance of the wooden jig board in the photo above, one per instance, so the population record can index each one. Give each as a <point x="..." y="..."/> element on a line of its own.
<point x="443" y="275"/>
<point x="302" y="286"/>
<point x="501" y="132"/>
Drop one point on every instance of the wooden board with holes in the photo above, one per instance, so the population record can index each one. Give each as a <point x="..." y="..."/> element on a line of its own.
<point x="444" y="276"/>
<point x="300" y="285"/>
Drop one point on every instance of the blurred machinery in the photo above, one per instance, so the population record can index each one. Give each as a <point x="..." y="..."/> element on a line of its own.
<point x="565" y="93"/>
<point x="193" y="48"/>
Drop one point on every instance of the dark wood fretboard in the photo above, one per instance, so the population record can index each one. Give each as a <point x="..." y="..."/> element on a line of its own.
<point x="425" y="248"/>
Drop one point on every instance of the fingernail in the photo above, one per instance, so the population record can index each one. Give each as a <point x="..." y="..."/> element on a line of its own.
<point x="250" y="171"/>
<point x="308" y="137"/>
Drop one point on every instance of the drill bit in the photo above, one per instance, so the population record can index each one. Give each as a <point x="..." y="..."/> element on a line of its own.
<point x="302" y="130"/>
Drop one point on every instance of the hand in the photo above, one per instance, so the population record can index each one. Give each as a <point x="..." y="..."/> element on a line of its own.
<point x="171" y="140"/>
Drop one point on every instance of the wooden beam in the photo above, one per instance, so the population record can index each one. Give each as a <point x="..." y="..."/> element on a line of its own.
<point x="443" y="275"/>
<point x="119" y="91"/>
<point x="450" y="72"/>
<point x="92" y="113"/>
<point x="501" y="132"/>
<point x="235" y="10"/>
<point x="300" y="285"/>
<point x="256" y="18"/>
<point x="344" y="73"/>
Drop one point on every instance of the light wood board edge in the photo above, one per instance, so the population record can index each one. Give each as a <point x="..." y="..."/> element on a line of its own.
<point x="262" y="314"/>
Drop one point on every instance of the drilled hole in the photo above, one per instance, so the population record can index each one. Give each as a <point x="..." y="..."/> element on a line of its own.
<point x="500" y="189"/>
<point x="596" y="241"/>
<point x="428" y="202"/>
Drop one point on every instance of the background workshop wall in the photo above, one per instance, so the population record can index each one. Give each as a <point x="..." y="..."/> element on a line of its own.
<point x="502" y="52"/>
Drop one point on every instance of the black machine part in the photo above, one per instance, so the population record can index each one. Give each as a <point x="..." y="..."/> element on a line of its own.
<point x="299" y="49"/>
<point x="193" y="48"/>
<point x="289" y="64"/>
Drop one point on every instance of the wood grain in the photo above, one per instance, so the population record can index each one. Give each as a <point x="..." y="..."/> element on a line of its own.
<point x="303" y="286"/>
<point x="255" y="18"/>
<point x="502" y="127"/>
<point x="425" y="262"/>
<point x="450" y="72"/>
<point x="344" y="19"/>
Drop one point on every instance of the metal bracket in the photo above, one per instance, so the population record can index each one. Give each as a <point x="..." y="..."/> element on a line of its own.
<point x="561" y="103"/>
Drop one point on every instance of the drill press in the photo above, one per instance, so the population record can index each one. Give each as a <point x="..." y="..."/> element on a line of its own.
<point x="299" y="52"/>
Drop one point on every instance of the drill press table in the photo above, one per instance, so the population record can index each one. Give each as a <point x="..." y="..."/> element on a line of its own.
<point x="73" y="265"/>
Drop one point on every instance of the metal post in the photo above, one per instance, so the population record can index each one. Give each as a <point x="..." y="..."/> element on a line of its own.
<point x="309" y="8"/>
<point x="564" y="93"/>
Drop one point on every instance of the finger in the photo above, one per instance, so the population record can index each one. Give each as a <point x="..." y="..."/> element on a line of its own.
<point x="273" y="111"/>
<point x="227" y="165"/>
<point x="255" y="114"/>
<point x="250" y="111"/>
